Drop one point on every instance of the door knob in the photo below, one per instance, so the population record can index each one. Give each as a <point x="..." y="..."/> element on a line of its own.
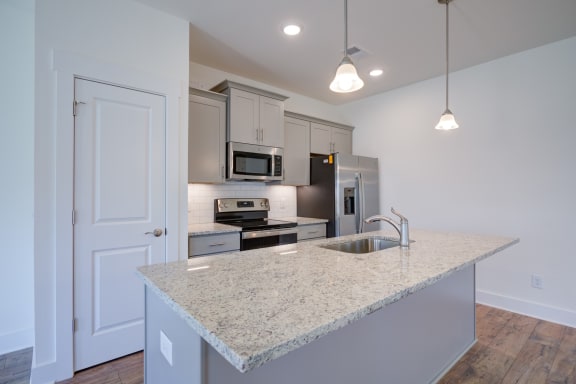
<point x="157" y="232"/>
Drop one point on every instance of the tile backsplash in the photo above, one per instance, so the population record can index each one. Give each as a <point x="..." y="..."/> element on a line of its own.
<point x="201" y="198"/>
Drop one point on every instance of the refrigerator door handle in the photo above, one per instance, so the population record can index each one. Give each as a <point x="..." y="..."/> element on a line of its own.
<point x="359" y="203"/>
<point x="356" y="202"/>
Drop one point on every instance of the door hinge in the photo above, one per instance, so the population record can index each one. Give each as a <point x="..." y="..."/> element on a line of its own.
<point x="75" y="105"/>
<point x="73" y="216"/>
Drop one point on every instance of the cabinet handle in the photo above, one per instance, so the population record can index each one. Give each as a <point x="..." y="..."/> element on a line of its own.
<point x="312" y="232"/>
<point x="222" y="171"/>
<point x="257" y="135"/>
<point x="262" y="134"/>
<point x="217" y="244"/>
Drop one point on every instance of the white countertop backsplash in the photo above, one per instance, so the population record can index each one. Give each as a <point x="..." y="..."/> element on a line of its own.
<point x="201" y="198"/>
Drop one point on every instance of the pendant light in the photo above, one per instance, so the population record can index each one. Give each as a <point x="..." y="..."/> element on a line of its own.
<point x="346" y="79"/>
<point x="447" y="120"/>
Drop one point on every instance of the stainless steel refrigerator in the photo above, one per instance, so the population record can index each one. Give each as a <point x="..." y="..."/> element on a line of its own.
<point x="344" y="190"/>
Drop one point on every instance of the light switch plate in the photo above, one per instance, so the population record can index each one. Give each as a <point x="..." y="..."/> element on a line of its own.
<point x="166" y="347"/>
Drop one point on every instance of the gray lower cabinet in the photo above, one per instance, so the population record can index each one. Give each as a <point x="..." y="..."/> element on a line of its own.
<point x="311" y="232"/>
<point x="206" y="137"/>
<point x="296" y="151"/>
<point x="209" y="244"/>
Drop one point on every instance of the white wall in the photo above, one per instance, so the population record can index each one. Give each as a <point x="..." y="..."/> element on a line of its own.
<point x="16" y="173"/>
<point x="508" y="170"/>
<point x="109" y="34"/>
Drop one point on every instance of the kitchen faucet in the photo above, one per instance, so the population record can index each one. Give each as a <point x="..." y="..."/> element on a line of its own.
<point x="402" y="228"/>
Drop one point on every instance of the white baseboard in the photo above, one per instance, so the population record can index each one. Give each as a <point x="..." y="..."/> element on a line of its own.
<point x="15" y="341"/>
<point x="44" y="374"/>
<point x="528" y="308"/>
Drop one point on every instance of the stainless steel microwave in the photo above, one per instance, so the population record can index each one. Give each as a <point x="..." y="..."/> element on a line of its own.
<point x="254" y="162"/>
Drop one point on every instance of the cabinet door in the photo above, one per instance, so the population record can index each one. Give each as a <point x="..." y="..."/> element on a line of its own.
<point x="341" y="140"/>
<point x="271" y="122"/>
<point x="243" y="124"/>
<point x="296" y="152"/>
<point x="206" y="140"/>
<point x="311" y="232"/>
<point x="320" y="142"/>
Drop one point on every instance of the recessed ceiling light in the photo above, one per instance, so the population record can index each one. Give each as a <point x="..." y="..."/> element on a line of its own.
<point x="376" y="72"/>
<point x="292" y="30"/>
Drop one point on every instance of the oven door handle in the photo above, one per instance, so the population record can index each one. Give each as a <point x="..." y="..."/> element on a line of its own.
<point x="268" y="233"/>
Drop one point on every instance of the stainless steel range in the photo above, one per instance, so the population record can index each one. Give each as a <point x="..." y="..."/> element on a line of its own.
<point x="251" y="214"/>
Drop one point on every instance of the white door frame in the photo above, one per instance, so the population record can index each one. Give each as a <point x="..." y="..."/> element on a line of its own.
<point x="66" y="67"/>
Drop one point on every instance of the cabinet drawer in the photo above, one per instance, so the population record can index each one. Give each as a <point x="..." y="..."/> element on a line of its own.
<point x="207" y="244"/>
<point x="313" y="231"/>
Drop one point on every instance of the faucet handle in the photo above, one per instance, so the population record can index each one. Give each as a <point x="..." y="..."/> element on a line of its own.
<point x="403" y="220"/>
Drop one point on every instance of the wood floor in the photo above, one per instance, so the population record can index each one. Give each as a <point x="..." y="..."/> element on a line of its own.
<point x="126" y="370"/>
<point x="517" y="349"/>
<point x="511" y="348"/>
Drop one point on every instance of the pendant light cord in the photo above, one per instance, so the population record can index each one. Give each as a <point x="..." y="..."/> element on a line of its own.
<point x="345" y="28"/>
<point x="447" y="52"/>
<point x="447" y="120"/>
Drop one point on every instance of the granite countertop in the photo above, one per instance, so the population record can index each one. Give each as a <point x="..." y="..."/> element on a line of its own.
<point x="217" y="228"/>
<point x="304" y="220"/>
<point x="211" y="229"/>
<point x="255" y="306"/>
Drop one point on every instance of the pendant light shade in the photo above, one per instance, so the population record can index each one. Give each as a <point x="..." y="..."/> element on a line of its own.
<point x="447" y="120"/>
<point x="346" y="79"/>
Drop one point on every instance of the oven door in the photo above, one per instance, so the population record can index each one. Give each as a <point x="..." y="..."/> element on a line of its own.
<point x="268" y="238"/>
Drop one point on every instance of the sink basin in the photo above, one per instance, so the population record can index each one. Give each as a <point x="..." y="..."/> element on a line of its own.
<point x="365" y="245"/>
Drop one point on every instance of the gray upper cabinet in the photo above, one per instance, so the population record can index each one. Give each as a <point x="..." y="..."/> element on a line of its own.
<point x="206" y="137"/>
<point x="296" y="151"/>
<point x="255" y="116"/>
<point x="341" y="140"/>
<point x="326" y="138"/>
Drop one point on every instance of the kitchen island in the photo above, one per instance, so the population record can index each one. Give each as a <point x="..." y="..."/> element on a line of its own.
<point x="303" y="313"/>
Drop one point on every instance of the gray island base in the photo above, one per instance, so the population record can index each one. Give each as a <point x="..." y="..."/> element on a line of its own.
<point x="394" y="316"/>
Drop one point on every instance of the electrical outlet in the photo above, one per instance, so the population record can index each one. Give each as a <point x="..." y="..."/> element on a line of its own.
<point x="537" y="282"/>
<point x="166" y="347"/>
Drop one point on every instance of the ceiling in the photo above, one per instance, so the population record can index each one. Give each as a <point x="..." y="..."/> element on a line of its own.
<point x="404" y="38"/>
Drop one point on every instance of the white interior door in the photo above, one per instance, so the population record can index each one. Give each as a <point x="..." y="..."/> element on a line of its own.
<point x="119" y="202"/>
